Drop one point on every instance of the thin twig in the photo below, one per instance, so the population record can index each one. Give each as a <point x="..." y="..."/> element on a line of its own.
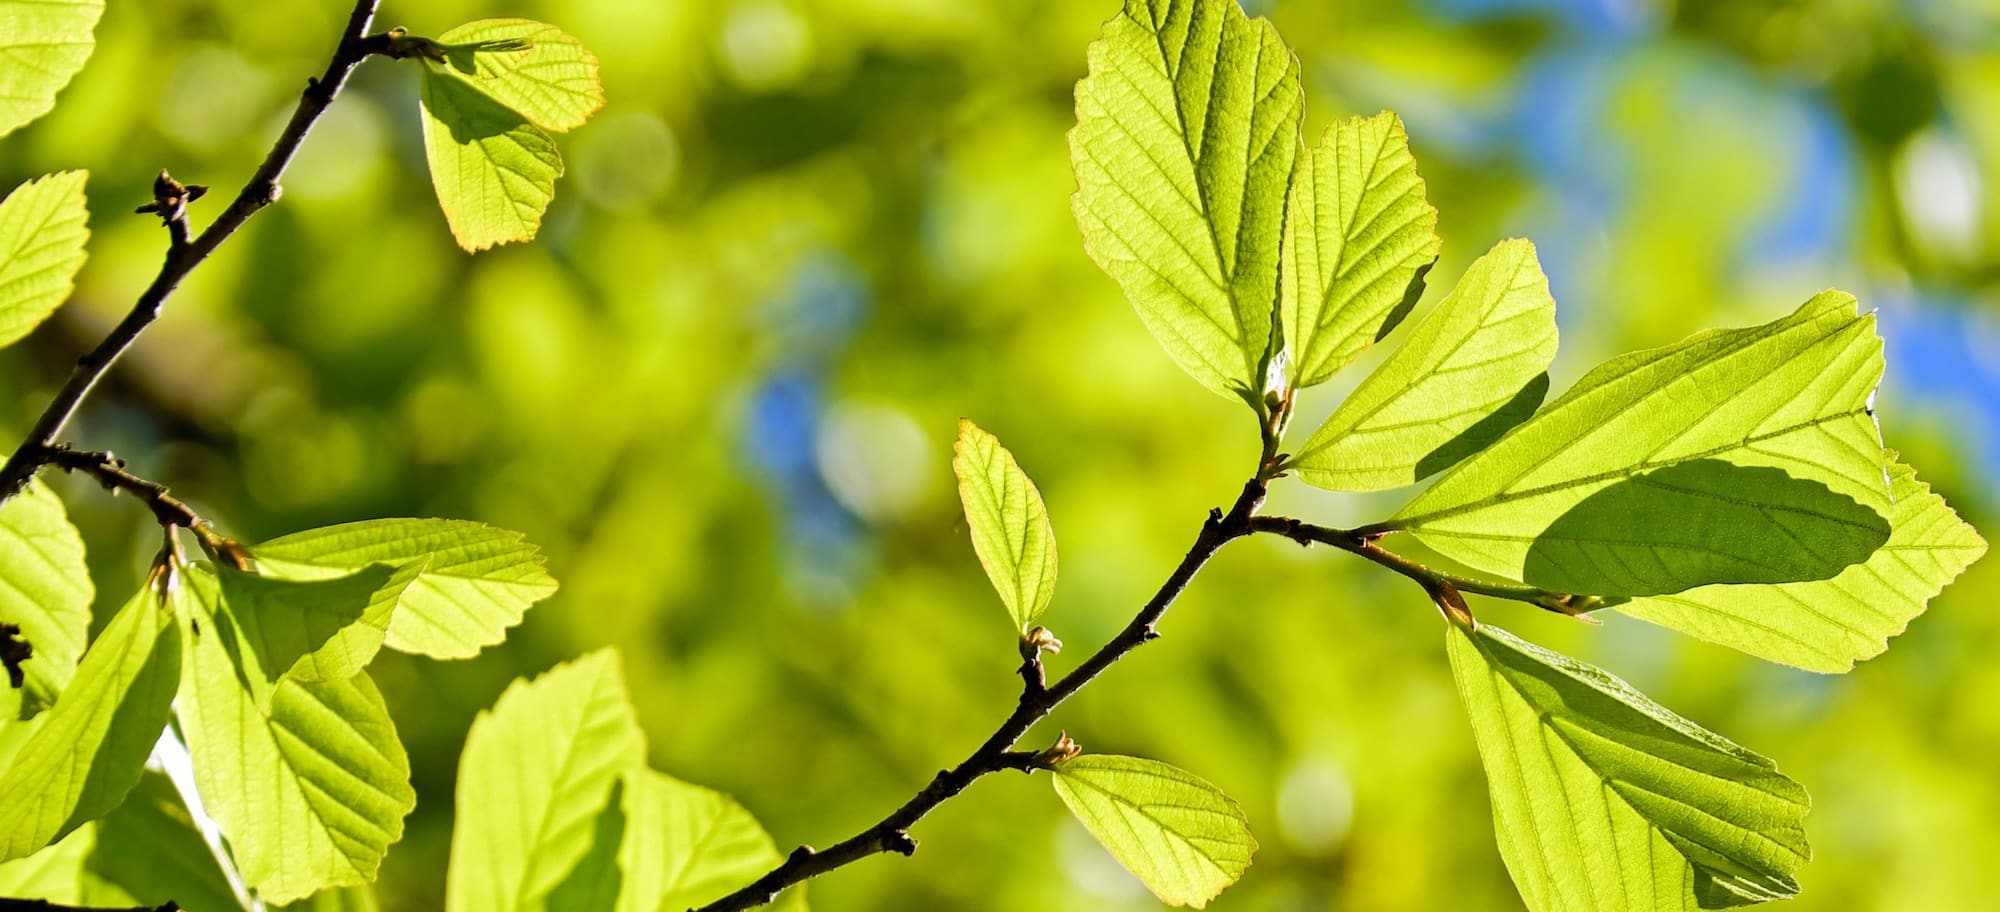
<point x="891" y="834"/>
<point x="183" y="255"/>
<point x="43" y="905"/>
<point x="1364" y="542"/>
<point x="110" y="472"/>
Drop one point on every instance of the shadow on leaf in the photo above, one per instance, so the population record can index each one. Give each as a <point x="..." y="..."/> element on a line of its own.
<point x="1698" y="523"/>
<point x="1488" y="429"/>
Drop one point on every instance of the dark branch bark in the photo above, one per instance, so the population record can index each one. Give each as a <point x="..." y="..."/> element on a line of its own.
<point x="109" y="471"/>
<point x="184" y="254"/>
<point x="891" y="834"/>
<point x="43" y="905"/>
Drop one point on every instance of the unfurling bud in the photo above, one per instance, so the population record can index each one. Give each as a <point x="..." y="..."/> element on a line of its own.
<point x="1064" y="748"/>
<point x="1041" y="640"/>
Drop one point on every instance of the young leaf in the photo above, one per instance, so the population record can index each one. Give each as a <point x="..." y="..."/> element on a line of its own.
<point x="87" y="752"/>
<point x="1010" y="526"/>
<point x="42" y="233"/>
<point x="1358" y="235"/>
<point x="531" y="67"/>
<point x="1828" y="625"/>
<point x="495" y="172"/>
<point x="478" y="581"/>
<point x="1186" y="128"/>
<point x="1735" y="456"/>
<point x="536" y="771"/>
<point x="312" y="790"/>
<point x="1605" y="800"/>
<point x="43" y="44"/>
<point x="1180" y="835"/>
<point x="45" y="590"/>
<point x="1472" y="369"/>
<point x="316" y="630"/>
<point x="686" y="846"/>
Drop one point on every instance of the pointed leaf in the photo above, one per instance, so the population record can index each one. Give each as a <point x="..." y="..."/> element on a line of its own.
<point x="1358" y="234"/>
<point x="1828" y="625"/>
<point x="43" y="43"/>
<point x="532" y="67"/>
<point x="306" y="630"/>
<point x="478" y="583"/>
<point x="1180" y="835"/>
<point x="1187" y="126"/>
<point x="43" y="227"/>
<point x="495" y="173"/>
<point x="1472" y="369"/>
<point x="686" y="846"/>
<point x="535" y="773"/>
<point x="45" y="590"/>
<point x="1010" y="526"/>
<point x="312" y="791"/>
<point x="1605" y="800"/>
<point x="87" y="752"/>
<point x="1735" y="456"/>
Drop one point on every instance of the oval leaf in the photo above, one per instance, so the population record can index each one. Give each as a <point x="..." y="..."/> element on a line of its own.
<point x="1180" y="835"/>
<point x="1828" y="625"/>
<point x="1472" y="369"/>
<point x="686" y="846"/>
<point x="1735" y="456"/>
<point x="531" y="67"/>
<point x="310" y="784"/>
<point x="495" y="173"/>
<point x="1605" y="800"/>
<point x="1010" y="526"/>
<point x="535" y="774"/>
<point x="43" y="44"/>
<point x="45" y="590"/>
<point x="476" y="581"/>
<point x="1359" y="234"/>
<point x="1186" y="129"/>
<point x="87" y="752"/>
<point x="42" y="234"/>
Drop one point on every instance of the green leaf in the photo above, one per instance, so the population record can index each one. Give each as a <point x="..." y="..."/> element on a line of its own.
<point x="532" y="67"/>
<point x="686" y="846"/>
<point x="358" y="898"/>
<point x="478" y="583"/>
<point x="145" y="853"/>
<point x="305" y="630"/>
<point x="495" y="172"/>
<point x="45" y="590"/>
<point x="1180" y="835"/>
<point x="1735" y="456"/>
<point x="1605" y="800"/>
<point x="87" y="752"/>
<point x="1010" y="526"/>
<point x="1186" y="129"/>
<point x="1828" y="625"/>
<point x="312" y="790"/>
<point x="43" y="43"/>
<point x="1472" y="369"/>
<point x="536" y="771"/>
<point x="43" y="227"/>
<point x="1359" y="237"/>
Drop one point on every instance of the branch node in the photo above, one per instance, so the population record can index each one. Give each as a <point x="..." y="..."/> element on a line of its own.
<point x="799" y="855"/>
<point x="899" y="842"/>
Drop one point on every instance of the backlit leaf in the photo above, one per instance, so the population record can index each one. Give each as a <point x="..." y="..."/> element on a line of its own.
<point x="495" y="173"/>
<point x="1358" y="233"/>
<point x="1605" y="800"/>
<point x="43" y="43"/>
<point x="1186" y="129"/>
<point x="45" y="590"/>
<point x="532" y="67"/>
<point x="1735" y="456"/>
<point x="43" y="228"/>
<point x="1180" y="835"/>
<point x="1010" y="526"/>
<point x="1471" y="369"/>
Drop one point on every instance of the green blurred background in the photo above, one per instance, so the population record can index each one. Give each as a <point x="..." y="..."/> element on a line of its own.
<point x="805" y="236"/>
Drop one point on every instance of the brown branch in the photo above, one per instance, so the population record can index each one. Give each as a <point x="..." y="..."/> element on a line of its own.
<point x="891" y="833"/>
<point x="1441" y="585"/>
<point x="43" y="905"/>
<point x="184" y="254"/>
<point x="109" y="471"/>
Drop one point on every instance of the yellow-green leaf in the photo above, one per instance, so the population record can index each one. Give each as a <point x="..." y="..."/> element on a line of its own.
<point x="1010" y="526"/>
<point x="43" y="43"/>
<point x="42" y="234"/>
<point x="45" y="590"/>
<point x="1182" y="837"/>
<point x="495" y="173"/>
<point x="532" y="67"/>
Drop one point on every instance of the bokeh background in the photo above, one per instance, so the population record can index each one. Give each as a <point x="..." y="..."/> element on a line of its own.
<point x="806" y="236"/>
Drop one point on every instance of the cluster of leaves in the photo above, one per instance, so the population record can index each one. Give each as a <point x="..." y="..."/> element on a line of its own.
<point x="1732" y="486"/>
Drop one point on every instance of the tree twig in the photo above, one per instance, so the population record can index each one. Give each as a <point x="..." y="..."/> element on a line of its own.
<point x="43" y="905"/>
<point x="891" y="833"/>
<point x="1364" y="543"/>
<point x="110" y="471"/>
<point x="184" y="254"/>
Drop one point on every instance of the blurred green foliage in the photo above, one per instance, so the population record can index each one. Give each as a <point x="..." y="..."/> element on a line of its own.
<point x="805" y="236"/>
